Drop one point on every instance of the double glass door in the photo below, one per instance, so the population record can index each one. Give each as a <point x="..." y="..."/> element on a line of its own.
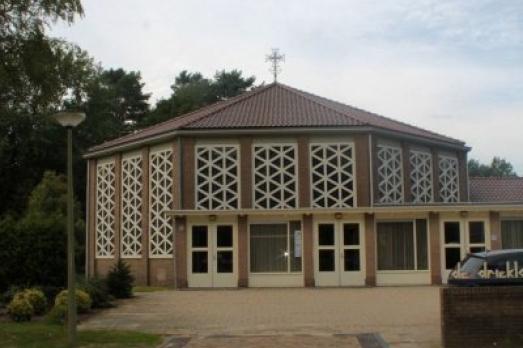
<point x="339" y="254"/>
<point x="212" y="255"/>
<point x="461" y="237"/>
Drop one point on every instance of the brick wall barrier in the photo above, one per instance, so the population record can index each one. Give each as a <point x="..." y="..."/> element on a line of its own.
<point x="482" y="316"/>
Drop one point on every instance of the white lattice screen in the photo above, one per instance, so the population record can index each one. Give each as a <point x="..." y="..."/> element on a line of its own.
<point x="274" y="173"/>
<point x="421" y="176"/>
<point x="448" y="179"/>
<point x="132" y="206"/>
<point x="161" y="200"/>
<point x="390" y="180"/>
<point x="216" y="177"/>
<point x="105" y="208"/>
<point x="332" y="177"/>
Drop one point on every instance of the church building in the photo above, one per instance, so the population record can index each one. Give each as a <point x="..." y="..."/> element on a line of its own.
<point x="282" y="188"/>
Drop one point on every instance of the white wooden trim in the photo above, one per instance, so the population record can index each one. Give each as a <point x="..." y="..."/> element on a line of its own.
<point x="464" y="245"/>
<point x="161" y="181"/>
<point x="420" y="177"/>
<point x="105" y="208"/>
<point x="343" y="193"/>
<point x="448" y="178"/>
<point x="216" y="200"/>
<point x="390" y="187"/>
<point x="282" y="186"/>
<point x="131" y="205"/>
<point x="339" y="277"/>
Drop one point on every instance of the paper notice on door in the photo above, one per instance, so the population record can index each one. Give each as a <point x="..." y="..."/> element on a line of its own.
<point x="297" y="243"/>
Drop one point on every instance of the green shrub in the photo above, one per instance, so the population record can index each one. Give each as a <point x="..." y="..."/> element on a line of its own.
<point x="98" y="291"/>
<point x="57" y="314"/>
<point x="34" y="244"/>
<point x="120" y="280"/>
<point x="83" y="301"/>
<point x="19" y="309"/>
<point x="37" y="299"/>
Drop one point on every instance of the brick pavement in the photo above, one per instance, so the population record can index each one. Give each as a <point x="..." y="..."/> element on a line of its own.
<point x="403" y="316"/>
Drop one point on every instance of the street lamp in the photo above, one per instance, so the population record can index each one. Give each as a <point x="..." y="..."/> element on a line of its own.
<point x="70" y="120"/>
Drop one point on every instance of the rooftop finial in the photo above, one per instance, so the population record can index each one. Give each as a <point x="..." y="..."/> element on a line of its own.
<point x="275" y="57"/>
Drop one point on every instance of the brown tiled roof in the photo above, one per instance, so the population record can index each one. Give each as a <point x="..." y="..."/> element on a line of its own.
<point x="497" y="189"/>
<point x="275" y="106"/>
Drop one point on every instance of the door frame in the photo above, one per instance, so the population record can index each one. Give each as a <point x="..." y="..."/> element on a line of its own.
<point x="212" y="278"/>
<point x="464" y="237"/>
<point x="339" y="277"/>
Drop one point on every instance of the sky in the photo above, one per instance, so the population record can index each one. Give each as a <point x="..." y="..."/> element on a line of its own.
<point x="454" y="67"/>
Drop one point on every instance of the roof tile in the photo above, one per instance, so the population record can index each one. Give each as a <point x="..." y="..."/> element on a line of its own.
<point x="273" y="106"/>
<point x="496" y="190"/>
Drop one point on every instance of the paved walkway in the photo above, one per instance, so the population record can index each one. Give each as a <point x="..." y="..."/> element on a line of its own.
<point x="403" y="316"/>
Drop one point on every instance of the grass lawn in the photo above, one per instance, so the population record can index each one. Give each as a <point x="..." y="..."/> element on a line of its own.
<point x="38" y="334"/>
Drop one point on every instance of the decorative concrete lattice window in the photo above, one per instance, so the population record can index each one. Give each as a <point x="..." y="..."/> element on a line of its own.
<point x="160" y="200"/>
<point x="448" y="179"/>
<point x="217" y="177"/>
<point x="390" y="179"/>
<point x="105" y="208"/>
<point x="332" y="180"/>
<point x="132" y="206"/>
<point x="421" y="176"/>
<point x="274" y="184"/>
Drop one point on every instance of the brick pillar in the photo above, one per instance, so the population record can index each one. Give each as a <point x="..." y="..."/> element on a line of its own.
<point x="435" y="175"/>
<point x="176" y="161"/>
<point x="246" y="172"/>
<point x="495" y="230"/>
<point x="375" y="165"/>
<point x="187" y="165"/>
<point x="304" y="189"/>
<point x="118" y="205"/>
<point x="180" y="252"/>
<point x="91" y="218"/>
<point x="463" y="179"/>
<point x="435" y="249"/>
<point x="243" y="245"/>
<point x="145" y="214"/>
<point x="405" y="156"/>
<point x="370" y="250"/>
<point x="308" y="251"/>
<point x="363" y="179"/>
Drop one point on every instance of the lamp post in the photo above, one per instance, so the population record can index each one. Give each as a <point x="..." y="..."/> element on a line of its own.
<point x="70" y="120"/>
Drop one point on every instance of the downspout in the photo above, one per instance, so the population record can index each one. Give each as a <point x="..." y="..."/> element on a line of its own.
<point x="180" y="172"/>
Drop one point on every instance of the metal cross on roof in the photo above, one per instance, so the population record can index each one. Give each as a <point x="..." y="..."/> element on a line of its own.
<point x="275" y="57"/>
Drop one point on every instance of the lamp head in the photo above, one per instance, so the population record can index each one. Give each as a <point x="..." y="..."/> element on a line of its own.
<point x="69" y="119"/>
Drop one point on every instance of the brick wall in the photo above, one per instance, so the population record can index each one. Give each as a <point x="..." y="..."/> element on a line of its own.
<point x="482" y="316"/>
<point x="363" y="178"/>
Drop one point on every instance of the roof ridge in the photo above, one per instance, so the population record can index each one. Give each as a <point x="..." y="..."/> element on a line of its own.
<point x="234" y="100"/>
<point x="300" y="94"/>
<point x="368" y="112"/>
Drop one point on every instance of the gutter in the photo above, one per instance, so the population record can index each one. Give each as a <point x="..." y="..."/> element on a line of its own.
<point x="268" y="131"/>
<point x="472" y="207"/>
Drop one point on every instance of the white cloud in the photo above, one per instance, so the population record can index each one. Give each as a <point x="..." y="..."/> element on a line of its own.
<point x="452" y="67"/>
